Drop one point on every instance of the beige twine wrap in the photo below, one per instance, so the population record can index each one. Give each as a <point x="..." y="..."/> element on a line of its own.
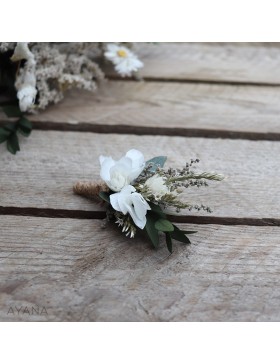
<point x="90" y="189"/>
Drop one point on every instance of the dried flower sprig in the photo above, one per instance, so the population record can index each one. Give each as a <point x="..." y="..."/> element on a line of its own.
<point x="34" y="75"/>
<point x="42" y="72"/>
<point x="137" y="194"/>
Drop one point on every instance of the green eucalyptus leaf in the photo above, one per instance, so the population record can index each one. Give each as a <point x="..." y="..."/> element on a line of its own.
<point x="4" y="135"/>
<point x="25" y="123"/>
<point x="25" y="132"/>
<point x="11" y="127"/>
<point x="157" y="210"/>
<point x="177" y="234"/>
<point x="169" y="242"/>
<point x="104" y="196"/>
<point x="156" y="162"/>
<point x="151" y="230"/>
<point x="12" y="111"/>
<point x="12" y="143"/>
<point x="164" y="225"/>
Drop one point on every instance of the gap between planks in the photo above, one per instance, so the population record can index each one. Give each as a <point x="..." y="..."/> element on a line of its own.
<point x="234" y="62"/>
<point x="79" y="214"/>
<point x="192" y="81"/>
<point x="153" y="108"/>
<point x="147" y="130"/>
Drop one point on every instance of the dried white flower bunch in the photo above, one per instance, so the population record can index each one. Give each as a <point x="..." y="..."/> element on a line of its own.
<point x="46" y="70"/>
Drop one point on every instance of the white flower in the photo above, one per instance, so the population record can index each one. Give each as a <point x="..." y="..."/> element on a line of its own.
<point x="21" y="51"/>
<point x="118" y="174"/>
<point x="26" y="77"/>
<point x="129" y="201"/>
<point x="124" y="60"/>
<point x="26" y="96"/>
<point x="156" y="185"/>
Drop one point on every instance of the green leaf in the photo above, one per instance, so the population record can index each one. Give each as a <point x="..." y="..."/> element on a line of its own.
<point x="12" y="143"/>
<point x="164" y="225"/>
<point x="25" y="132"/>
<point x="11" y="127"/>
<point x="4" y="135"/>
<point x="25" y="123"/>
<point x="104" y="196"/>
<point x="157" y="210"/>
<point x="151" y="230"/>
<point x="177" y="234"/>
<point x="168" y="242"/>
<point x="12" y="111"/>
<point x="24" y="126"/>
<point x="156" y="162"/>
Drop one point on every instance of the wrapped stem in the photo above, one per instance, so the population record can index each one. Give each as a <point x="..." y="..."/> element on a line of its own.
<point x="90" y="189"/>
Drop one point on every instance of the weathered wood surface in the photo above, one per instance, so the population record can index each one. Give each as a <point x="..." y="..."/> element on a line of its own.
<point x="171" y="105"/>
<point x="79" y="272"/>
<point x="43" y="173"/>
<point x="235" y="62"/>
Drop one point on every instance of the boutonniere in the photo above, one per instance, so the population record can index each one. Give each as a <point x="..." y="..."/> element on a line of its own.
<point x="138" y="194"/>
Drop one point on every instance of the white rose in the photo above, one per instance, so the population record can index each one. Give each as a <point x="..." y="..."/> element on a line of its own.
<point x="118" y="174"/>
<point x="156" y="185"/>
<point x="129" y="201"/>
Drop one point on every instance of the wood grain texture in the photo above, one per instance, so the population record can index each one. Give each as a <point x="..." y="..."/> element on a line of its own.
<point x="77" y="271"/>
<point x="171" y="105"/>
<point x="80" y="272"/>
<point x="234" y="62"/>
<point x="43" y="173"/>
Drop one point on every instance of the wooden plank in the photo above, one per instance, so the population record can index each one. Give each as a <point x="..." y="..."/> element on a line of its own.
<point x="171" y="105"/>
<point x="79" y="272"/>
<point x="234" y="62"/>
<point x="43" y="173"/>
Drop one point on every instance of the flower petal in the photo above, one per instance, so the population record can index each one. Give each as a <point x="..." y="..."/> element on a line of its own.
<point x="140" y="222"/>
<point x="123" y="165"/>
<point x="118" y="174"/>
<point x="136" y="157"/>
<point x="128" y="190"/>
<point x="138" y="164"/>
<point x="140" y="205"/>
<point x="114" y="201"/>
<point x="129" y="201"/>
<point x="122" y="200"/>
<point x="106" y="164"/>
<point x="134" y="174"/>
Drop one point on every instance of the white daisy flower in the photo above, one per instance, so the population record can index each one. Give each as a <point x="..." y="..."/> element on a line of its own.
<point x="124" y="60"/>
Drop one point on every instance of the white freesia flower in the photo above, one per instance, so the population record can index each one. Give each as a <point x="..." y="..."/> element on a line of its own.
<point x="118" y="174"/>
<point x="156" y="185"/>
<point x="26" y="77"/>
<point x="132" y="202"/>
<point x="124" y="60"/>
